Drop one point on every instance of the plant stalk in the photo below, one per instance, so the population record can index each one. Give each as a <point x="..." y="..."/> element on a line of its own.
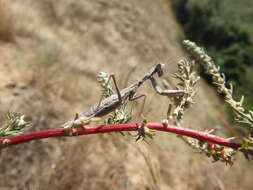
<point x="94" y="129"/>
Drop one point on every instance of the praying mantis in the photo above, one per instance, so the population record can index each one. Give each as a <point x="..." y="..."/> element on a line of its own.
<point x="112" y="102"/>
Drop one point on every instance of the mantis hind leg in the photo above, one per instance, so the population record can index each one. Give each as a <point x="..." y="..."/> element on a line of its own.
<point x="143" y="103"/>
<point x="111" y="76"/>
<point x="116" y="87"/>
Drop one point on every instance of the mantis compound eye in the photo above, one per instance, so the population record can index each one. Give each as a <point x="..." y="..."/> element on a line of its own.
<point x="159" y="69"/>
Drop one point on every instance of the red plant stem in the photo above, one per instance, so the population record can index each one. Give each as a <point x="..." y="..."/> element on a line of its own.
<point x="93" y="129"/>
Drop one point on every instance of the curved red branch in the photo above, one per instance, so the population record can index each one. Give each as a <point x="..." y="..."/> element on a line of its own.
<point x="93" y="129"/>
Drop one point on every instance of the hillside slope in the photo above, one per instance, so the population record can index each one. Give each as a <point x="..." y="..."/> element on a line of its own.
<point x="49" y="61"/>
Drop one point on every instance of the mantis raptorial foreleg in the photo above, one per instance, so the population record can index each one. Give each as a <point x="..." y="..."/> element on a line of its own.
<point x="168" y="93"/>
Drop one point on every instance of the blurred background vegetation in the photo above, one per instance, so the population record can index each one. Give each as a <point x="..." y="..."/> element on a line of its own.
<point x="225" y="29"/>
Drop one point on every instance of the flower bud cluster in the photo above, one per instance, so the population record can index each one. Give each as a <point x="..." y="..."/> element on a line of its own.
<point x="188" y="80"/>
<point x="14" y="125"/>
<point x="103" y="79"/>
<point x="214" y="151"/>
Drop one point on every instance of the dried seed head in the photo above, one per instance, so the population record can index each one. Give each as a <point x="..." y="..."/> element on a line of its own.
<point x="219" y="80"/>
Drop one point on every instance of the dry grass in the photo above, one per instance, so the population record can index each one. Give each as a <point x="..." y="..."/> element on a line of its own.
<point x="6" y="22"/>
<point x="54" y="67"/>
